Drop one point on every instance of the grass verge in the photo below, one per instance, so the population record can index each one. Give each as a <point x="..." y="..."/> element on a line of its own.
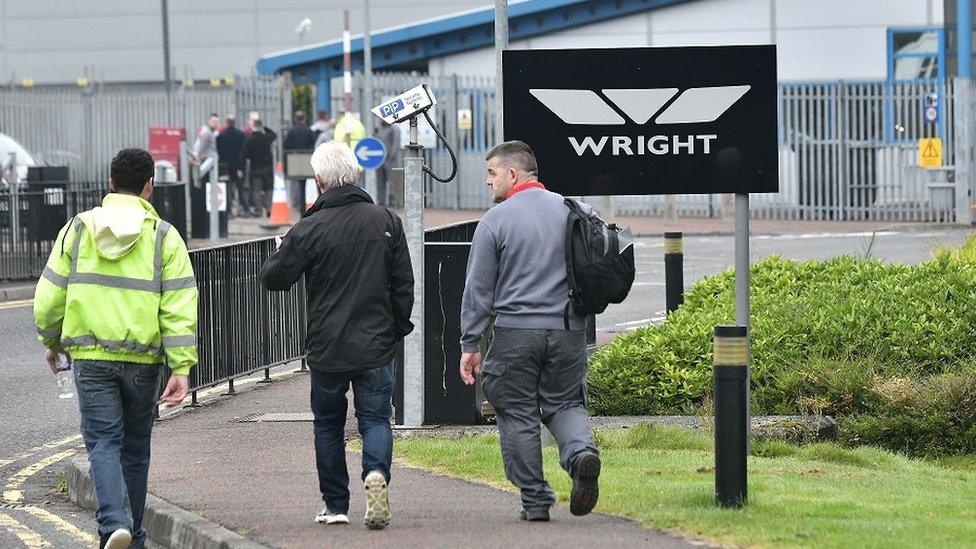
<point x="818" y="495"/>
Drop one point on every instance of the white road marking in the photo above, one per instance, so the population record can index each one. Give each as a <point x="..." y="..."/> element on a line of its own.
<point x="807" y="236"/>
<point x="16" y="304"/>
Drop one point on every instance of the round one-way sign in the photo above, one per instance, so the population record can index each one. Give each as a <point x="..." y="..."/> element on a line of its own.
<point x="370" y="153"/>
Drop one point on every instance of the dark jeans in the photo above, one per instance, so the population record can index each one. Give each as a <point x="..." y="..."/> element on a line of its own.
<point x="116" y="400"/>
<point x="239" y="188"/>
<point x="261" y="185"/>
<point x="373" y="391"/>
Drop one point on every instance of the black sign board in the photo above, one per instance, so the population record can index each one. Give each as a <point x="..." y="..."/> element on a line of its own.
<point x="646" y="121"/>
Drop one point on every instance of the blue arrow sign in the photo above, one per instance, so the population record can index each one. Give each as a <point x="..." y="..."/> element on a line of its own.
<point x="370" y="153"/>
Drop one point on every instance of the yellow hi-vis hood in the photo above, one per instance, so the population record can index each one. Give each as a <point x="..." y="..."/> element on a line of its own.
<point x="116" y="226"/>
<point x="108" y="293"/>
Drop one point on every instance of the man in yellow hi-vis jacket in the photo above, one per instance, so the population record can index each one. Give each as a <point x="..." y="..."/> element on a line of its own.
<point x="118" y="296"/>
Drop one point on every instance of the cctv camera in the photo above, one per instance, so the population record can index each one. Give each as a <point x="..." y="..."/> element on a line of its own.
<point x="406" y="105"/>
<point x="304" y="26"/>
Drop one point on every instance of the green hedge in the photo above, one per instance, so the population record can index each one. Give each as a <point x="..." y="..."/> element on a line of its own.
<point x="828" y="337"/>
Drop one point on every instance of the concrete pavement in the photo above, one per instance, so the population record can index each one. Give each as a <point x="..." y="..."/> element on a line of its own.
<point x="258" y="479"/>
<point x="645" y="226"/>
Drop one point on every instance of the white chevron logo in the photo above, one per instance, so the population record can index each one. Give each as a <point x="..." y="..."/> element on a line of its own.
<point x="692" y="106"/>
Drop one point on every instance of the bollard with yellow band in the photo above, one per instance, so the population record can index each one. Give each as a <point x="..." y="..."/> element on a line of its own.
<point x="731" y="358"/>
<point x="674" y="283"/>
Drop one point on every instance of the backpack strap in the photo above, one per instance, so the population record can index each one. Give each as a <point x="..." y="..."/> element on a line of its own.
<point x="571" y="221"/>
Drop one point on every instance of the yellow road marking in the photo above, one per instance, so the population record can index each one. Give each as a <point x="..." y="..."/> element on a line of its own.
<point x="46" y="446"/>
<point x="27" y="536"/>
<point x="61" y="524"/>
<point x="12" y="494"/>
<point x="16" y="304"/>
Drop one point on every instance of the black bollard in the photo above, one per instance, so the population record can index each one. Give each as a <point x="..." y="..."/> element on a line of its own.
<point x="674" y="280"/>
<point x="731" y="356"/>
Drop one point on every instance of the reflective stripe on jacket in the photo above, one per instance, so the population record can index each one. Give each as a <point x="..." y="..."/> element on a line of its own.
<point x="119" y="286"/>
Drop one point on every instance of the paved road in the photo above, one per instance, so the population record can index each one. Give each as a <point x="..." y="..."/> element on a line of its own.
<point x="38" y="430"/>
<point x="713" y="254"/>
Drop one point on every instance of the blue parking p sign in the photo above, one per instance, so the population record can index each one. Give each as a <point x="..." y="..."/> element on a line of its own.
<point x="392" y="107"/>
<point x="370" y="153"/>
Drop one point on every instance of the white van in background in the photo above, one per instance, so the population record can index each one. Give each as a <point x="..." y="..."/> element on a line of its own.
<point x="14" y="161"/>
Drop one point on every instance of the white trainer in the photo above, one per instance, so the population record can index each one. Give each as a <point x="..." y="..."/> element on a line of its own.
<point x="119" y="539"/>
<point x="377" y="505"/>
<point x="328" y="517"/>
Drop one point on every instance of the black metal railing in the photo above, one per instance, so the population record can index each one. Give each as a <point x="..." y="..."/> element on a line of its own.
<point x="30" y="221"/>
<point x="32" y="215"/>
<point x="243" y="328"/>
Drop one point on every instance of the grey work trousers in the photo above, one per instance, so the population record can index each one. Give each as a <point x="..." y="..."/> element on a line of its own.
<point x="533" y="376"/>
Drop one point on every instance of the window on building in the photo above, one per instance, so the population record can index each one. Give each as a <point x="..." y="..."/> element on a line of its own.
<point x="916" y="54"/>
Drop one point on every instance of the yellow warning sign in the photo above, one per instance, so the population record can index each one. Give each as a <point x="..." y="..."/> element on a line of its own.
<point x="464" y="119"/>
<point x="930" y="152"/>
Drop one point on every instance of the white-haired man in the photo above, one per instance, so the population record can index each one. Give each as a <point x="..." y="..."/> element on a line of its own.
<point x="359" y="282"/>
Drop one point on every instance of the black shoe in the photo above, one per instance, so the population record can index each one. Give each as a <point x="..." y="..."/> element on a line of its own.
<point x="586" y="484"/>
<point x="534" y="515"/>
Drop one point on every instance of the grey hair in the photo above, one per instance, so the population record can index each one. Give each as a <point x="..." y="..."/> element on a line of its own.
<point x="515" y="154"/>
<point x="335" y="164"/>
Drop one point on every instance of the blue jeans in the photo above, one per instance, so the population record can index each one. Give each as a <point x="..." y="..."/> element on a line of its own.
<point x="373" y="391"/>
<point x="117" y="400"/>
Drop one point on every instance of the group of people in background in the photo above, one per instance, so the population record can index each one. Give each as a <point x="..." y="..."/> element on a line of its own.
<point x="245" y="159"/>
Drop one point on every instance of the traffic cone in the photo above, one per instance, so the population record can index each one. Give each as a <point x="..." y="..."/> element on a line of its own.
<point x="311" y="193"/>
<point x="280" y="215"/>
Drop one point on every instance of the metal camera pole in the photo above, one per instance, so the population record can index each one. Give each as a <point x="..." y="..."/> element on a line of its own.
<point x="413" y="344"/>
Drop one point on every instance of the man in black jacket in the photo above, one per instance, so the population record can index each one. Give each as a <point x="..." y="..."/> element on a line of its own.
<point x="299" y="138"/>
<point x="230" y="141"/>
<point x="257" y="158"/>
<point x="357" y="270"/>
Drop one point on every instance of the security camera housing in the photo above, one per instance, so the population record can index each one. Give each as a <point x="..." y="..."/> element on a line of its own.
<point x="406" y="105"/>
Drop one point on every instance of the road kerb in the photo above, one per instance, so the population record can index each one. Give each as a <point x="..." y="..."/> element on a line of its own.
<point x="165" y="523"/>
<point x="16" y="293"/>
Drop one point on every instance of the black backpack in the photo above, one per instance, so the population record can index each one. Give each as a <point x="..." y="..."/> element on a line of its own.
<point x="599" y="274"/>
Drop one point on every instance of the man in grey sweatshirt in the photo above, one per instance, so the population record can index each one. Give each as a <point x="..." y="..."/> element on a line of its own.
<point x="535" y="367"/>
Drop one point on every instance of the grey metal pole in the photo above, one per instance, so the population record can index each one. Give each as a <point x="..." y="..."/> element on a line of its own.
<point x="214" y="206"/>
<point x="185" y="179"/>
<point x="413" y="344"/>
<point x="14" y="201"/>
<point x="367" y="102"/>
<point x="167" y="78"/>
<point x="346" y="64"/>
<point x="501" y="42"/>
<point x="742" y="311"/>
<point x="964" y="143"/>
